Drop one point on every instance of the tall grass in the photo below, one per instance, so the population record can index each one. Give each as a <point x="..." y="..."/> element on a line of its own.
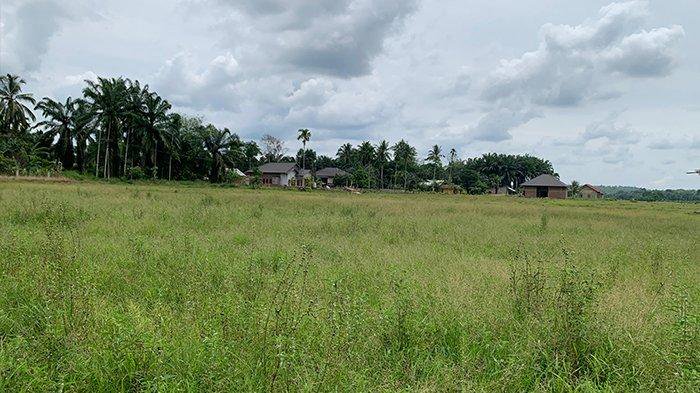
<point x="142" y="288"/>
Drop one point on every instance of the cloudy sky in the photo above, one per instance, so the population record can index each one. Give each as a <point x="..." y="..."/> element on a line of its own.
<point x="609" y="92"/>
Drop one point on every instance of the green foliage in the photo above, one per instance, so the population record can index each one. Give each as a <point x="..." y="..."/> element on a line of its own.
<point x="136" y="173"/>
<point x="643" y="194"/>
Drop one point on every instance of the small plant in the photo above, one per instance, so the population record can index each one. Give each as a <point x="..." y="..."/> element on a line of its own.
<point x="544" y="220"/>
<point x="136" y="173"/>
<point x="527" y="286"/>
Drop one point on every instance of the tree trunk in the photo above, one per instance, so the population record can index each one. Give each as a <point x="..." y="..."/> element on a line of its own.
<point x="126" y="151"/>
<point x="381" y="175"/>
<point x="106" y="164"/>
<point x="155" y="161"/>
<point x="303" y="158"/>
<point x="97" y="164"/>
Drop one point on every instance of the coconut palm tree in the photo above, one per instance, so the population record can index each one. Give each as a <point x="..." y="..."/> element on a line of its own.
<point x="365" y="153"/>
<point x="15" y="110"/>
<point x="304" y="136"/>
<point x="382" y="156"/>
<point x="345" y="155"/>
<point x="434" y="156"/>
<point x="453" y="159"/>
<point x="59" y="122"/>
<point x="404" y="155"/>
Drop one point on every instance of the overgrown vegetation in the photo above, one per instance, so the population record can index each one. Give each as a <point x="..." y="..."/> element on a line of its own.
<point x="141" y="288"/>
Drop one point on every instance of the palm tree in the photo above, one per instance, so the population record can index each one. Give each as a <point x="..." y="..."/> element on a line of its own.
<point x="382" y="156"/>
<point x="155" y="116"/>
<point x="365" y="153"/>
<point x="404" y="154"/>
<point x="107" y="99"/>
<point x="15" y="113"/>
<point x="345" y="155"/>
<point x="82" y="130"/>
<point x="135" y="116"/>
<point x="59" y="121"/>
<point x="304" y="136"/>
<point x="453" y="159"/>
<point x="172" y="139"/>
<point x="217" y="142"/>
<point x="434" y="156"/>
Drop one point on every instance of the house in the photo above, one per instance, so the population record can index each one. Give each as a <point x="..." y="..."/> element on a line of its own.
<point x="278" y="174"/>
<point x="237" y="177"/>
<point x="544" y="186"/>
<point x="590" y="192"/>
<point x="503" y="190"/>
<point x="304" y="178"/>
<point x="326" y="175"/>
<point x="450" y="189"/>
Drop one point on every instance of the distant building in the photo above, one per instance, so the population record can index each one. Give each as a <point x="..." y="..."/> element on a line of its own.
<point x="502" y="190"/>
<point x="240" y="177"/>
<point x="544" y="186"/>
<point x="450" y="189"/>
<point x="278" y="174"/>
<point x="590" y="192"/>
<point x="326" y="175"/>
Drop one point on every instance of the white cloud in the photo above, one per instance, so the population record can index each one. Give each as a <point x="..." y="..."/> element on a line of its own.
<point x="612" y="130"/>
<point x="27" y="27"/>
<point x="332" y="37"/>
<point x="573" y="64"/>
<point x="216" y="87"/>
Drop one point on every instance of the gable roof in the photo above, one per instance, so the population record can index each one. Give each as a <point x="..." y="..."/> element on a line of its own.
<point x="330" y="172"/>
<point x="593" y="188"/>
<point x="278" y="167"/>
<point x="544" y="181"/>
<point x="238" y="172"/>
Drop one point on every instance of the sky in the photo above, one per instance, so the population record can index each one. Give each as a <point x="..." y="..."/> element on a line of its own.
<point x="609" y="92"/>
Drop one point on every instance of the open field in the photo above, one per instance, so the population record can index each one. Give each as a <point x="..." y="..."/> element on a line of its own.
<point x="144" y="287"/>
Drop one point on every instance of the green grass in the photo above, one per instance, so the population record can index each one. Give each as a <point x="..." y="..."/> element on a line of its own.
<point x="115" y="287"/>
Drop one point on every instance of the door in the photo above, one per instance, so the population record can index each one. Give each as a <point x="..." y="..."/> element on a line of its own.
<point x="542" y="192"/>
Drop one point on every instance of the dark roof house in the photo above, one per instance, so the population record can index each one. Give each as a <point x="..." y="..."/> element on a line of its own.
<point x="544" y="186"/>
<point x="330" y="172"/>
<point x="278" y="167"/>
<point x="281" y="174"/>
<point x="326" y="175"/>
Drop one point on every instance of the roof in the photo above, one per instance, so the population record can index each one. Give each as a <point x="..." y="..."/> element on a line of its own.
<point x="593" y="188"/>
<point x="330" y="172"/>
<point x="238" y="172"/>
<point x="277" y="167"/>
<point x="544" y="181"/>
<point x="304" y="172"/>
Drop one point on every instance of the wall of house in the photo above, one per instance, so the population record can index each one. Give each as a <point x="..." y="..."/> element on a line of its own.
<point x="557" y="192"/>
<point x="587" y="193"/>
<point x="530" y="192"/>
<point x="554" y="192"/>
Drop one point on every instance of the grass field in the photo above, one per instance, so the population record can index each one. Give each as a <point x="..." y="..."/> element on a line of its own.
<point x="145" y="287"/>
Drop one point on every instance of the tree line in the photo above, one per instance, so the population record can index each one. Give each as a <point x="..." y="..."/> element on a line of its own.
<point x="120" y="128"/>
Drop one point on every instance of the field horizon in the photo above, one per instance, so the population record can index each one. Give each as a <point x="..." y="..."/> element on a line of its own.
<point x="150" y="287"/>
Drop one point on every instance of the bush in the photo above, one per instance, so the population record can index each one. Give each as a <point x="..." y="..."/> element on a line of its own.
<point x="136" y="173"/>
